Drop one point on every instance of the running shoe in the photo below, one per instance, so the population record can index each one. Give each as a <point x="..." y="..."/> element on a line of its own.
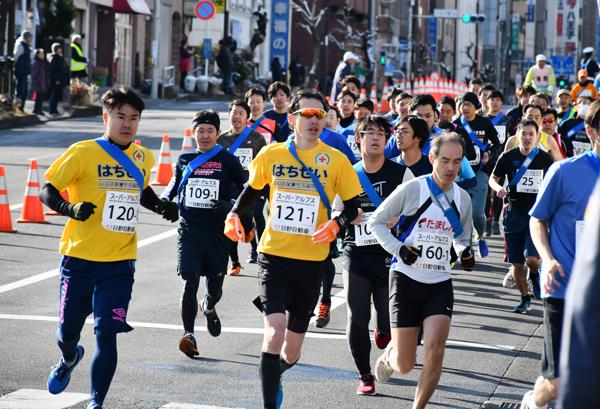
<point x="279" y="400"/>
<point x="381" y="340"/>
<point x="213" y="323"/>
<point x="523" y="307"/>
<point x="366" y="385"/>
<point x="59" y="377"/>
<point x="528" y="398"/>
<point x="235" y="269"/>
<point x="483" y="248"/>
<point x="496" y="228"/>
<point x="535" y="284"/>
<point x="508" y="280"/>
<point x="94" y="405"/>
<point x="324" y="315"/>
<point x="252" y="257"/>
<point x="383" y="370"/>
<point x="187" y="345"/>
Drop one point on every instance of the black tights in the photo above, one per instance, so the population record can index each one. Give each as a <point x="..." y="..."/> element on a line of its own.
<point x="189" y="299"/>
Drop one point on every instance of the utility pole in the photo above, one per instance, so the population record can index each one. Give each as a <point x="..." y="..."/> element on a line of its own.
<point x="155" y="41"/>
<point x="409" y="75"/>
<point x="373" y="32"/>
<point x="225" y="18"/>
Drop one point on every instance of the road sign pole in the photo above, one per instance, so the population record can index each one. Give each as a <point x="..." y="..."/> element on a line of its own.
<point x="205" y="53"/>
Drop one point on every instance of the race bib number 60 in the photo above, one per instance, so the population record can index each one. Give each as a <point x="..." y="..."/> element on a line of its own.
<point x="120" y="212"/>
<point x="294" y="213"/>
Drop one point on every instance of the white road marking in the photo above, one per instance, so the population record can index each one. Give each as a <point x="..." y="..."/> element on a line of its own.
<point x="53" y="273"/>
<point x="51" y="155"/>
<point x="242" y="330"/>
<point x="40" y="399"/>
<point x="177" y="405"/>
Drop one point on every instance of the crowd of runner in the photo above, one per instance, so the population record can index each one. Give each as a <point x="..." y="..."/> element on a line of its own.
<point x="402" y="196"/>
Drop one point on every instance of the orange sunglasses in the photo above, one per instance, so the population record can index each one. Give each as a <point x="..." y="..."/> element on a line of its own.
<point x="310" y="112"/>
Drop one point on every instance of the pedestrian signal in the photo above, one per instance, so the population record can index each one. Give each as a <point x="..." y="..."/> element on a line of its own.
<point x="473" y="18"/>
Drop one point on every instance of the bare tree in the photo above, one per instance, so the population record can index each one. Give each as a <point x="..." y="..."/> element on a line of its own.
<point x="311" y="19"/>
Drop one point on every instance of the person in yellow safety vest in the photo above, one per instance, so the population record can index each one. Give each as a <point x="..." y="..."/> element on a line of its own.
<point x="78" y="60"/>
<point x="541" y="76"/>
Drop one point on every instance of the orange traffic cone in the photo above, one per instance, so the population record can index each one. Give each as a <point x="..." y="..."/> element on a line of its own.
<point x="165" y="169"/>
<point x="32" y="206"/>
<point x="385" y="107"/>
<point x="187" y="140"/>
<point x="373" y="98"/>
<point x="65" y="195"/>
<point x="138" y="142"/>
<point x="5" y="219"/>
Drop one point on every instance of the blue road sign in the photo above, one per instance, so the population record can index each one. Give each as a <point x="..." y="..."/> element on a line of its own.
<point x="280" y="30"/>
<point x="207" y="48"/>
<point x="204" y="10"/>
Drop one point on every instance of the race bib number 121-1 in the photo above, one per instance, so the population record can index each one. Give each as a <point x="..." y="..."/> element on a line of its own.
<point x="294" y="213"/>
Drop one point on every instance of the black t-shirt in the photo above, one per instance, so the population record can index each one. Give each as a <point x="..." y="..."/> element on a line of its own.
<point x="486" y="133"/>
<point x="573" y="131"/>
<point x="385" y="180"/>
<point x="283" y="127"/>
<point x="469" y="146"/>
<point x="346" y="122"/>
<point x="521" y="195"/>
<point x="515" y="114"/>
<point x="223" y="178"/>
<point x="420" y="168"/>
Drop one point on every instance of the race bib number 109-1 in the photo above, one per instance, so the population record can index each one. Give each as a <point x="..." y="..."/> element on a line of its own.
<point x="120" y="212"/>
<point x="199" y="193"/>
<point x="294" y="213"/>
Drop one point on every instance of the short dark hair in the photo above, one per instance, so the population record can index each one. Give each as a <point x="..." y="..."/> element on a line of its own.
<point x="117" y="97"/>
<point x="544" y="96"/>
<point x="475" y="81"/>
<point x="446" y="137"/>
<point x="279" y="86"/>
<point x="423" y="99"/>
<point x="592" y="117"/>
<point x="529" y="122"/>
<point x="405" y="95"/>
<point x="497" y="94"/>
<point x="364" y="103"/>
<point x="239" y="103"/>
<point x="346" y="93"/>
<point x="447" y="99"/>
<point x="487" y="87"/>
<point x="393" y="94"/>
<point x="374" y="120"/>
<point x="337" y="111"/>
<point x="527" y="89"/>
<point x="350" y="78"/>
<point x="307" y="94"/>
<point x="255" y="91"/>
<point x="536" y="106"/>
<point x="207" y="116"/>
<point x="419" y="127"/>
<point x="550" y="111"/>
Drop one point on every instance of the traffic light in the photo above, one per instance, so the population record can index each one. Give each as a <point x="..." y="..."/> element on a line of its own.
<point x="382" y="58"/>
<point x="473" y="18"/>
<point x="563" y="83"/>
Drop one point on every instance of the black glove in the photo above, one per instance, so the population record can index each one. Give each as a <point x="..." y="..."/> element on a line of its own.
<point x="81" y="211"/>
<point x="467" y="259"/>
<point x="169" y="210"/>
<point x="221" y="207"/>
<point x="409" y="254"/>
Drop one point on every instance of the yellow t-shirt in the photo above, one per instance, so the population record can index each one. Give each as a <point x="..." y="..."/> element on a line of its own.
<point x="295" y="209"/>
<point x="542" y="143"/>
<point x="88" y="173"/>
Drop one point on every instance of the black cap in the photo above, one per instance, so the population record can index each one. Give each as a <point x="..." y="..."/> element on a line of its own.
<point x="470" y="97"/>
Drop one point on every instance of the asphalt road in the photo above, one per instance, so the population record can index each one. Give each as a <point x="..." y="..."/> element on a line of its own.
<point x="493" y="354"/>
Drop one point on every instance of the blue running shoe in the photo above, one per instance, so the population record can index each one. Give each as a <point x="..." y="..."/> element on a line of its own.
<point x="59" y="377"/>
<point x="483" y="248"/>
<point x="94" y="405"/>
<point x="279" y="400"/>
<point x="523" y="307"/>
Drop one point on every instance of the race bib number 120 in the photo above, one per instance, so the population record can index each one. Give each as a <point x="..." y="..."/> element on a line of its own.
<point x="120" y="212"/>
<point x="294" y="213"/>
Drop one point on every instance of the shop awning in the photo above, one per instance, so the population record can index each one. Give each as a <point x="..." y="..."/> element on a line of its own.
<point x="131" y="6"/>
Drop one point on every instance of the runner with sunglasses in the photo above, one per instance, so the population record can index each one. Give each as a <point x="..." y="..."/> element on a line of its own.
<point x="366" y="263"/>
<point x="435" y="216"/>
<point x="550" y="127"/>
<point x="304" y="175"/>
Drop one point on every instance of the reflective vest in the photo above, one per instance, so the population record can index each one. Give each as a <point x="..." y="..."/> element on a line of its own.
<point x="77" y="65"/>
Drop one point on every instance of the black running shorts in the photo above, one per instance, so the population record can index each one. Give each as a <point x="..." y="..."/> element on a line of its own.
<point x="290" y="285"/>
<point x="554" y="309"/>
<point x="412" y="301"/>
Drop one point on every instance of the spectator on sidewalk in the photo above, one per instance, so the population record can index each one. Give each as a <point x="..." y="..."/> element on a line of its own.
<point x="225" y="63"/>
<point x="39" y="80"/>
<point x="344" y="69"/>
<point x="58" y="74"/>
<point x="78" y="60"/>
<point x="276" y="70"/>
<point x="22" y="54"/>
<point x="583" y="87"/>
<point x="185" y="62"/>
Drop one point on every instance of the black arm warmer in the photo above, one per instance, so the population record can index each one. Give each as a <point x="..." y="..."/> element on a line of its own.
<point x="150" y="201"/>
<point x="246" y="200"/>
<point x="349" y="213"/>
<point x="50" y="196"/>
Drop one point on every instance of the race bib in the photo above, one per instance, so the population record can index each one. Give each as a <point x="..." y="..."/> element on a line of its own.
<point x="477" y="156"/>
<point x="294" y="213"/>
<point x="362" y="234"/>
<point x="120" y="212"/>
<point x="351" y="140"/>
<point x="200" y="192"/>
<point x="435" y="250"/>
<point x="579" y="224"/>
<point x="501" y="129"/>
<point x="531" y="181"/>
<point x="244" y="155"/>
<point x="581" y="147"/>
